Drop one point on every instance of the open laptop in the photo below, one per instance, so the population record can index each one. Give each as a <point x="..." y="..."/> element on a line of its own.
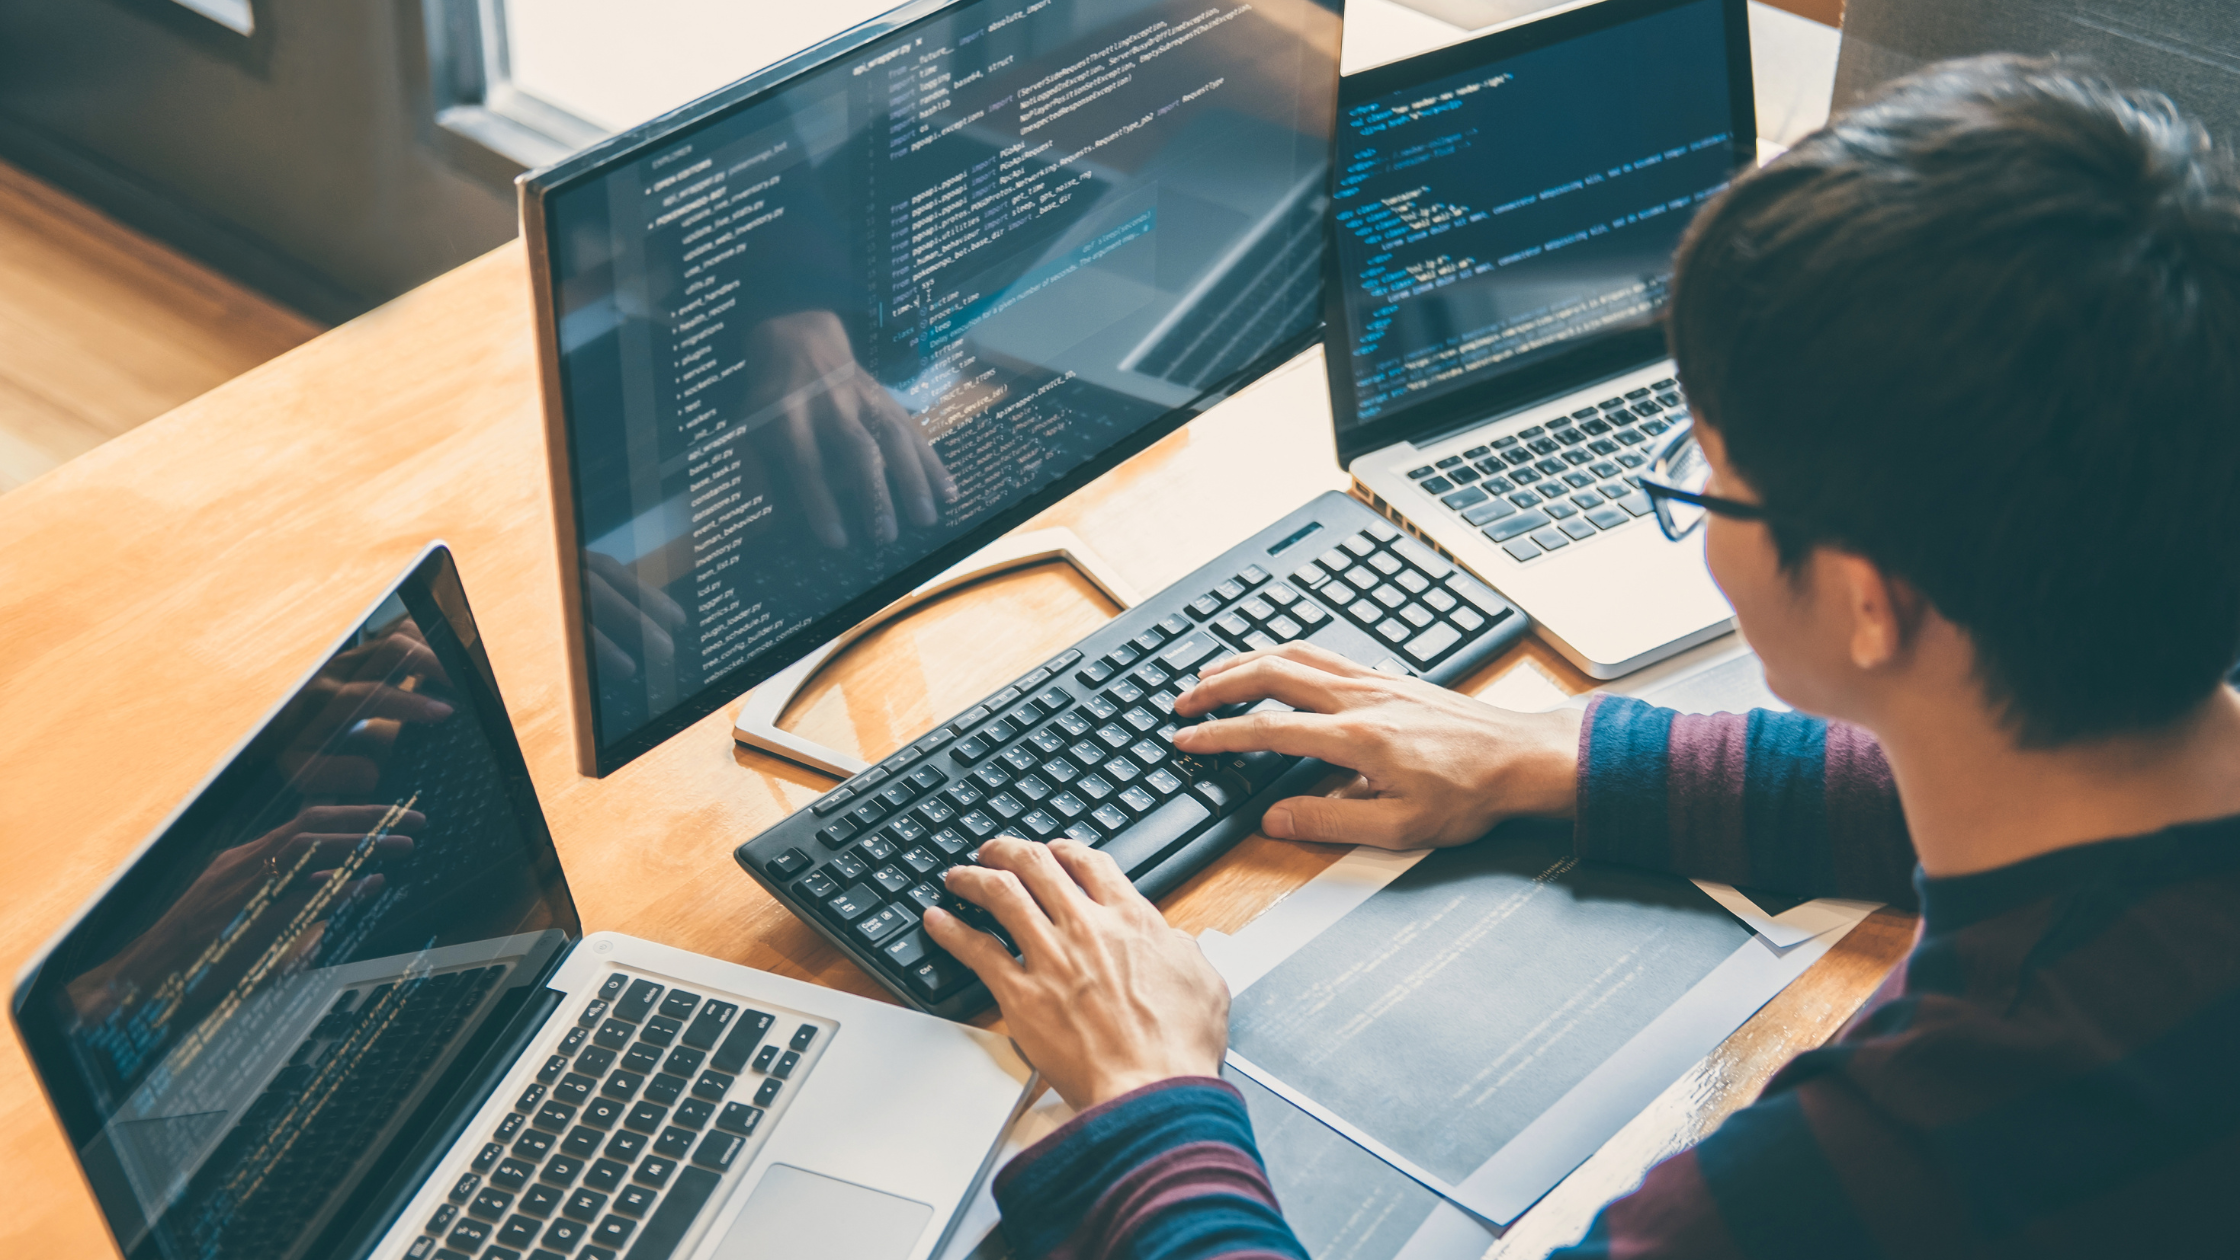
<point x="1504" y="216"/>
<point x="340" y="1005"/>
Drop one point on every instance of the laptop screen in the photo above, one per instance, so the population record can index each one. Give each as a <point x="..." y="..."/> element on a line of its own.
<point x="247" y="1032"/>
<point x="1510" y="200"/>
<point x="817" y="342"/>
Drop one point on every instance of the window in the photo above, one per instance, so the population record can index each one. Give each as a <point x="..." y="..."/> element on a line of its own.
<point x="535" y="80"/>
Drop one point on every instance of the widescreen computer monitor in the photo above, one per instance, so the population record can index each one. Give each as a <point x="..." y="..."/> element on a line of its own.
<point x="816" y="337"/>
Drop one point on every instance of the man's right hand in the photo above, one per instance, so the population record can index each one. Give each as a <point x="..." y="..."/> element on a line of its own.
<point x="1435" y="767"/>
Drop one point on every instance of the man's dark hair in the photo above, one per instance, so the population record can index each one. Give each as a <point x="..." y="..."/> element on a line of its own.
<point x="1984" y="330"/>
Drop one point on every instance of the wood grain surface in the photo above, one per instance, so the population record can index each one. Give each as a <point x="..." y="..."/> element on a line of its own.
<point x="102" y="329"/>
<point x="159" y="594"/>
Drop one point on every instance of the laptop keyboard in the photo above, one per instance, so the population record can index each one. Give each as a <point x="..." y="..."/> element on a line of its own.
<point x="1561" y="483"/>
<point x="651" y="1096"/>
<point x="1083" y="746"/>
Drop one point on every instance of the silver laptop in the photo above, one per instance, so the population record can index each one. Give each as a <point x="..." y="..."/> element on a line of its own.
<point x="340" y="1005"/>
<point x="1504" y="214"/>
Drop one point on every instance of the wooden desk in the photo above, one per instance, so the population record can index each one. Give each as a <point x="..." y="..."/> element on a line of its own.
<point x="158" y="595"/>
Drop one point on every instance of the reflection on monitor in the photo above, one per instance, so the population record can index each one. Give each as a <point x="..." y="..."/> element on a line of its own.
<point x="1494" y="219"/>
<point x="813" y="340"/>
<point x="250" y="1032"/>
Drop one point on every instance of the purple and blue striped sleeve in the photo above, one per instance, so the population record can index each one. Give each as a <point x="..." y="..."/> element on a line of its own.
<point x="1167" y="1171"/>
<point x="1770" y="800"/>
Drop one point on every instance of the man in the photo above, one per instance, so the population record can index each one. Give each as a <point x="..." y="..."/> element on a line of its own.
<point x="1964" y="367"/>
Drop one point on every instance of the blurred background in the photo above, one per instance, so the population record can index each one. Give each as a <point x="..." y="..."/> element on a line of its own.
<point x="189" y="188"/>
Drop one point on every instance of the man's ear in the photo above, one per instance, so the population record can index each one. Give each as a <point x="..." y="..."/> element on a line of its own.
<point x="1882" y="610"/>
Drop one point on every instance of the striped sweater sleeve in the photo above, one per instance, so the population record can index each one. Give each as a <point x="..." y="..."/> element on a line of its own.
<point x="1770" y="800"/>
<point x="1168" y="1172"/>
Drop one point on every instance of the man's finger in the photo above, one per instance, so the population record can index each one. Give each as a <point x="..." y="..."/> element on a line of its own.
<point x="1292" y="734"/>
<point x="865" y="467"/>
<point x="650" y="599"/>
<point x="909" y="457"/>
<point x="1001" y="894"/>
<point x="621" y="617"/>
<point x="1100" y="878"/>
<point x="1050" y="884"/>
<point x="1269" y="678"/>
<point x="936" y="471"/>
<point x="806" y="462"/>
<point x="1307" y="654"/>
<point x="974" y="948"/>
<point x="357" y="819"/>
<point x="1384" y="822"/>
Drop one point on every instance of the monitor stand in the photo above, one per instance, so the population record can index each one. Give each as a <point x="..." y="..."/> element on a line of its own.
<point x="757" y="725"/>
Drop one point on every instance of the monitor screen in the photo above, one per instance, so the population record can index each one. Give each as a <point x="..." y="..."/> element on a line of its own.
<point x="1491" y="219"/>
<point x="819" y="338"/>
<point x="251" y="1031"/>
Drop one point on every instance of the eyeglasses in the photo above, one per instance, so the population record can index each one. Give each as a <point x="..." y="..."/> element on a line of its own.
<point x="1674" y="482"/>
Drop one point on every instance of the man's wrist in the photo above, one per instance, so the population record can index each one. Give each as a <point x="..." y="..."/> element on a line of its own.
<point x="1543" y="780"/>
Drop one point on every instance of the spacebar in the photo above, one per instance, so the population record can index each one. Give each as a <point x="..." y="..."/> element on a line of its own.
<point x="675" y="1215"/>
<point x="1156" y="832"/>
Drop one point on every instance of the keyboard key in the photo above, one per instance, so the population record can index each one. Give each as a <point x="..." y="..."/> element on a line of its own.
<point x="1550" y="539"/>
<point x="623" y="1085"/>
<point x="767" y="1056"/>
<point x="540" y="1200"/>
<point x="634" y="1200"/>
<point x="939" y="977"/>
<point x="717" y="1150"/>
<point x="768" y="1094"/>
<point x="491" y="1204"/>
<point x="625" y="1146"/>
<point x="533" y="1145"/>
<point x="1164" y="782"/>
<point x="694" y="1113"/>
<point x="850" y="867"/>
<point x="673" y="1219"/>
<point x="581" y="1140"/>
<point x="1522" y="523"/>
<point x="645" y="1117"/>
<point x="654" y="1171"/>
<point x="1581" y="528"/>
<point x="584" y="1205"/>
<point x="1432" y="643"/>
<point x="712" y="1085"/>
<point x="614" y="1231"/>
<point x="562" y="1169"/>
<point x="512" y="1174"/>
<point x="876" y="927"/>
<point x="468" y="1235"/>
<point x="1464" y="497"/>
<point x="563" y="1235"/>
<point x="853" y="904"/>
<point x="605" y="1174"/>
<point x="674" y="1143"/>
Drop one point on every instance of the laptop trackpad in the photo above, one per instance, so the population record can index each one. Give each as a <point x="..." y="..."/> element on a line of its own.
<point x="804" y="1216"/>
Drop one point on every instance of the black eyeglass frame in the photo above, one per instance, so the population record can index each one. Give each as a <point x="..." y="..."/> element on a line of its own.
<point x="1662" y="493"/>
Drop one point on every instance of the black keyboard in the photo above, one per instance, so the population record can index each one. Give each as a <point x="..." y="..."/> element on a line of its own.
<point x="1563" y="482"/>
<point x="650" y="1097"/>
<point x="1083" y="745"/>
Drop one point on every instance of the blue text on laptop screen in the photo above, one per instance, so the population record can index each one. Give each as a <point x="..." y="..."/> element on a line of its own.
<point x="1495" y="218"/>
<point x="808" y="343"/>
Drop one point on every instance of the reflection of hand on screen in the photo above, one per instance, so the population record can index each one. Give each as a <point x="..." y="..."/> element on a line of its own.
<point x="839" y="435"/>
<point x="633" y="625"/>
<point x="291" y="864"/>
<point x="339" y="729"/>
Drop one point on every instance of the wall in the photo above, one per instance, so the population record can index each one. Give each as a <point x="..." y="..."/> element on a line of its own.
<point x="301" y="160"/>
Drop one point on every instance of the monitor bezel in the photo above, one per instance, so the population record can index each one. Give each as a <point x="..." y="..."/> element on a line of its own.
<point x="1598" y="357"/>
<point x="597" y="758"/>
<point x="435" y="574"/>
